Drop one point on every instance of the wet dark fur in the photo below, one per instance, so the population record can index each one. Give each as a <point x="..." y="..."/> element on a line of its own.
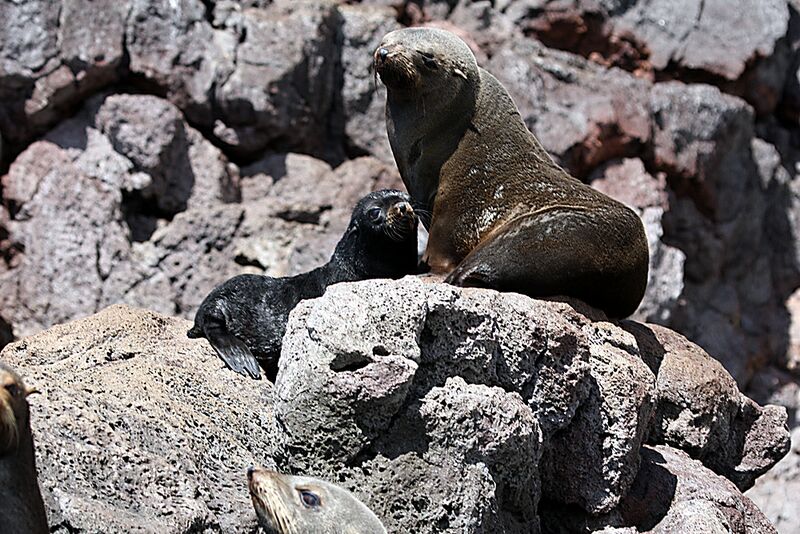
<point x="504" y="215"/>
<point x="245" y="317"/>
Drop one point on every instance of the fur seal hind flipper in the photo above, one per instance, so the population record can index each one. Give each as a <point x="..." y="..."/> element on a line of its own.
<point x="557" y="251"/>
<point x="232" y="350"/>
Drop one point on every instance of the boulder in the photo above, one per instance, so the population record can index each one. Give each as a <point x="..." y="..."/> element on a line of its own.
<point x="672" y="494"/>
<point x="367" y="370"/>
<point x="442" y="409"/>
<point x="583" y="114"/>
<point x="139" y="427"/>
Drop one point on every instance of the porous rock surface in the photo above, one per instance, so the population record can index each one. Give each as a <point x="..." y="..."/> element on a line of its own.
<point x="151" y="148"/>
<point x="445" y="410"/>
<point x="137" y="429"/>
<point x="416" y="385"/>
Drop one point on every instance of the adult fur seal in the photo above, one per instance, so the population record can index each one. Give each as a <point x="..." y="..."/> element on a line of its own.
<point x="245" y="317"/>
<point x="21" y="507"/>
<point x="288" y="504"/>
<point x="504" y="215"/>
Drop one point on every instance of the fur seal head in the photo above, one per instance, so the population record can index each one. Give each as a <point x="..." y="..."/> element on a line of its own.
<point x="14" y="411"/>
<point x="424" y="61"/>
<point x="288" y="504"/>
<point x="385" y="214"/>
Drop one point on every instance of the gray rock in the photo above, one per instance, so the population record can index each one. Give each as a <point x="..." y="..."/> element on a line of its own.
<point x="140" y="428"/>
<point x="289" y="95"/>
<point x="776" y="492"/>
<point x="368" y="369"/>
<point x="699" y="409"/>
<point x="582" y="113"/>
<point x="363" y="98"/>
<point x="672" y="494"/>
<point x="72" y="239"/>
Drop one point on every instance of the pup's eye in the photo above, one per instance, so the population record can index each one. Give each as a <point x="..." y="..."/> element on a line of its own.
<point x="13" y="390"/>
<point x="374" y="214"/>
<point x="310" y="500"/>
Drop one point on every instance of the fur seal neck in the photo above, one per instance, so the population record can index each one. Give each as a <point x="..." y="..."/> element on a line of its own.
<point x="429" y="103"/>
<point x="21" y="506"/>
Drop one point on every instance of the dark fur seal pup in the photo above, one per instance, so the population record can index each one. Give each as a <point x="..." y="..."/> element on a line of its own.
<point x="288" y="504"/>
<point x="245" y="317"/>
<point x="504" y="215"/>
<point x="21" y="507"/>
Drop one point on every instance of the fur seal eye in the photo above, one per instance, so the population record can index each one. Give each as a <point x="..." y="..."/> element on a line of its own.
<point x="310" y="500"/>
<point x="13" y="390"/>
<point x="374" y="214"/>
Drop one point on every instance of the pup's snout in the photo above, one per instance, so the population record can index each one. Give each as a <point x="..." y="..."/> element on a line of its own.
<point x="402" y="209"/>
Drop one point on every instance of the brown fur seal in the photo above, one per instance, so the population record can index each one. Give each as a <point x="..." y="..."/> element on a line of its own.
<point x="504" y="215"/>
<point x="288" y="504"/>
<point x="21" y="506"/>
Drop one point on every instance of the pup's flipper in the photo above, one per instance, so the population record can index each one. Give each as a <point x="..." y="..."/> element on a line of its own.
<point x="232" y="350"/>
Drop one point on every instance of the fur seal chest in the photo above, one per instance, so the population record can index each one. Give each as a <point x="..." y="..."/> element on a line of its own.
<point x="21" y="507"/>
<point x="288" y="504"/>
<point x="245" y="317"/>
<point x="504" y="215"/>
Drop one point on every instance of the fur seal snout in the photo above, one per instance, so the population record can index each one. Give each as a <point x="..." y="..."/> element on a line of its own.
<point x="245" y="317"/>
<point x="504" y="215"/>
<point x="21" y="507"/>
<point x="288" y="504"/>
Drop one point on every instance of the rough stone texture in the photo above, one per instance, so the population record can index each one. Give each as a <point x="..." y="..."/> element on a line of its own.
<point x="204" y="161"/>
<point x="728" y="218"/>
<point x="775" y="493"/>
<point x="700" y="410"/>
<point x="362" y="98"/>
<point x="583" y="114"/>
<point x="100" y="192"/>
<point x="281" y="86"/>
<point x="371" y="372"/>
<point x="139" y="428"/>
<point x="672" y="494"/>
<point x="742" y="46"/>
<point x="444" y="410"/>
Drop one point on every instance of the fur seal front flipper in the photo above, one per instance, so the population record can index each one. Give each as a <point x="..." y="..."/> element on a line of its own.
<point x="230" y="348"/>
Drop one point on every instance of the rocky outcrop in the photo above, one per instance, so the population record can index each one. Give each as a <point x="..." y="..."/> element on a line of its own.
<point x="541" y="402"/>
<point x="445" y="410"/>
<point x="150" y="148"/>
<point x="155" y="215"/>
<point x="139" y="428"/>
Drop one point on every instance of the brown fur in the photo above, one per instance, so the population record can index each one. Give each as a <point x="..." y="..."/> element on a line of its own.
<point x="505" y="215"/>
<point x="21" y="507"/>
